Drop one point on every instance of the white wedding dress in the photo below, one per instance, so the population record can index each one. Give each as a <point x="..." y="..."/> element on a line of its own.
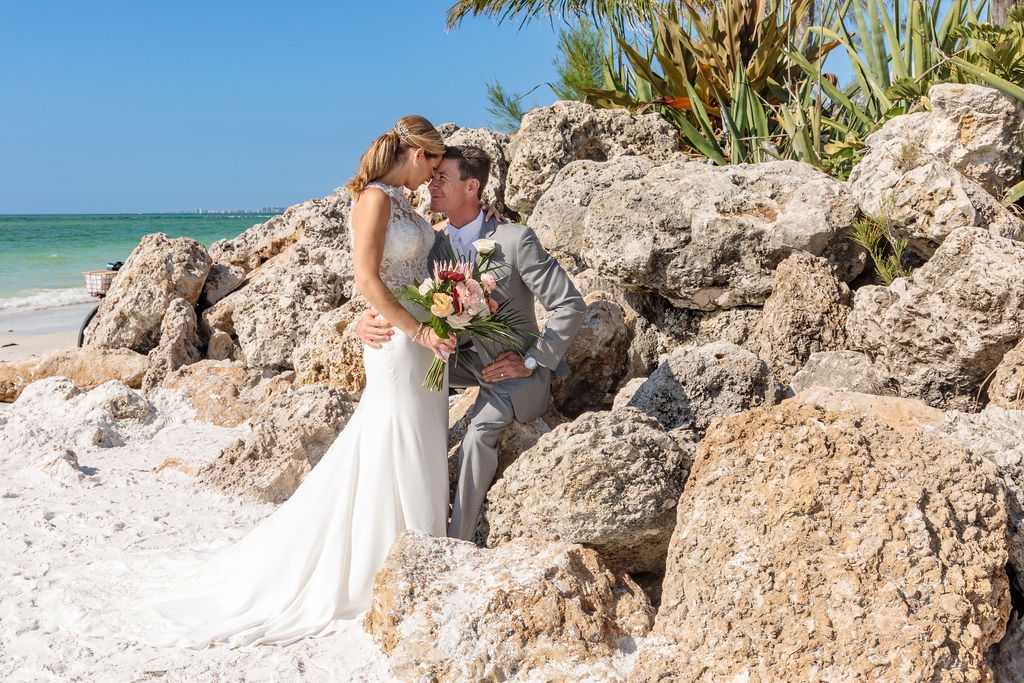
<point x="311" y="563"/>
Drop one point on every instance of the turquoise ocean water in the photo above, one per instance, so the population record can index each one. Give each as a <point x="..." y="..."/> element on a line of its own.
<point x="42" y="257"/>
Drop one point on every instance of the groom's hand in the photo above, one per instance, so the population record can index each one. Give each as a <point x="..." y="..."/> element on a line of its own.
<point x="372" y="330"/>
<point x="508" y="365"/>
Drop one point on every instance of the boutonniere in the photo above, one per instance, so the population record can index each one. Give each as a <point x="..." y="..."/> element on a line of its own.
<point x="485" y="247"/>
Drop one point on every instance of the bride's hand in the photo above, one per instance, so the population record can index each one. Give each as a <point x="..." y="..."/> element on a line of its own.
<point x="441" y="347"/>
<point x="490" y="211"/>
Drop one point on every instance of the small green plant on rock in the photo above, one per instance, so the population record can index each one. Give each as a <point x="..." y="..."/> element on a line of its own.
<point x="875" y="234"/>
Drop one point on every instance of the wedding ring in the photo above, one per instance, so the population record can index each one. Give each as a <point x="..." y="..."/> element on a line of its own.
<point x="501" y="375"/>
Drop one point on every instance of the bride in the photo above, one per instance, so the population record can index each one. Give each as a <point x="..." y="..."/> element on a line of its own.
<point x="312" y="562"/>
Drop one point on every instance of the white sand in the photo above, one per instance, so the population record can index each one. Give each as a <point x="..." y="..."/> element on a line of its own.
<point x="114" y="506"/>
<point x="23" y="333"/>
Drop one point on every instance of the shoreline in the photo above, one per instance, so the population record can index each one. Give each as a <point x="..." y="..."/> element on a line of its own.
<point x="29" y="332"/>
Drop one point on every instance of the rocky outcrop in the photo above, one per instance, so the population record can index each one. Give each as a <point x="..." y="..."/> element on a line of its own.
<point x="87" y="367"/>
<point x="939" y="333"/>
<point x="159" y="271"/>
<point x="289" y="436"/>
<point x="1007" y="386"/>
<point x="332" y="353"/>
<point x="695" y="385"/>
<point x="560" y="212"/>
<point x="551" y="138"/>
<point x="223" y="392"/>
<point x="850" y="370"/>
<point x="597" y="357"/>
<point x="708" y="237"/>
<point x="551" y="612"/>
<point x="608" y="480"/>
<point x="805" y="313"/>
<point x="222" y="279"/>
<point x="178" y="346"/>
<point x="841" y="549"/>
<point x="976" y="129"/>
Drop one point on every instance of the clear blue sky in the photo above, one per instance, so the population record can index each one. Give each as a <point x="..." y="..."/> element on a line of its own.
<point x="153" y="105"/>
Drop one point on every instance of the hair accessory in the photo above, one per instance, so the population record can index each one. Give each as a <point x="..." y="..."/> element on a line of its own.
<point x="401" y="130"/>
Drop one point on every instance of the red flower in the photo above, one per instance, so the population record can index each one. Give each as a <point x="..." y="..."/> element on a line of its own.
<point x="453" y="275"/>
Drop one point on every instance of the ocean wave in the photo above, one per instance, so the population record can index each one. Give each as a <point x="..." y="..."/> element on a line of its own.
<point x="47" y="298"/>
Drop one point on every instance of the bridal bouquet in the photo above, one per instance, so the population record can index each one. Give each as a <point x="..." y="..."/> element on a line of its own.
<point x="459" y="299"/>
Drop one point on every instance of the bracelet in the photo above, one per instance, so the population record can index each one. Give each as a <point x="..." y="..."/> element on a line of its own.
<point x="419" y="332"/>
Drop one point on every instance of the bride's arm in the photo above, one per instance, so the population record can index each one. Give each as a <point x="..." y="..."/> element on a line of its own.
<point x="369" y="222"/>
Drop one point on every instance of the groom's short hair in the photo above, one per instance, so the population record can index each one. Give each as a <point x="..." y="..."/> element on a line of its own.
<point x="472" y="161"/>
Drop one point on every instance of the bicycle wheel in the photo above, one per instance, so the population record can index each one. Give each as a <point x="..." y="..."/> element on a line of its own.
<point x="85" y="323"/>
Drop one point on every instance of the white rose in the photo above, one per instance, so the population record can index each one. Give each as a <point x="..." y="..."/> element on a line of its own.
<point x="485" y="246"/>
<point x="459" y="321"/>
<point x="426" y="286"/>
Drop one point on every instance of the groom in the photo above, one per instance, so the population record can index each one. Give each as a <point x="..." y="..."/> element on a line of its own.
<point x="514" y="384"/>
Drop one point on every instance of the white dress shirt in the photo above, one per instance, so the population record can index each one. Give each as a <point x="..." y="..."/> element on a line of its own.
<point x="462" y="238"/>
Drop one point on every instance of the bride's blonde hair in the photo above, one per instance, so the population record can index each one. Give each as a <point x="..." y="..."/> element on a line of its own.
<point x="410" y="132"/>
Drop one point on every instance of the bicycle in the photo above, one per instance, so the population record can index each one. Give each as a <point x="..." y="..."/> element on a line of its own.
<point x="97" y="282"/>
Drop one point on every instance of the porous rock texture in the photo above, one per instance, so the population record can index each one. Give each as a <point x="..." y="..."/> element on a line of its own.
<point x="697" y="384"/>
<point x="546" y="611"/>
<point x="805" y="313"/>
<point x="850" y="370"/>
<point x="332" y="352"/>
<point x="1007" y="386"/>
<point x="976" y="129"/>
<point x="840" y="548"/>
<point x="156" y="273"/>
<point x="223" y="392"/>
<point x="608" y="480"/>
<point x="939" y="333"/>
<point x="87" y="367"/>
<point x="178" y="346"/>
<point x="708" y="237"/>
<point x="598" y="358"/>
<point x="550" y="138"/>
<point x="289" y="435"/>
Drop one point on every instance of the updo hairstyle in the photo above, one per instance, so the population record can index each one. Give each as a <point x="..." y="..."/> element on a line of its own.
<point x="410" y="132"/>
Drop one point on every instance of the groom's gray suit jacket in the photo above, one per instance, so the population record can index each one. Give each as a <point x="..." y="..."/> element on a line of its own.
<point x="525" y="271"/>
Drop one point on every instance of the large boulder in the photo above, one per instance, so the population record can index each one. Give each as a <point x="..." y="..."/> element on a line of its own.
<point x="708" y="237"/>
<point x="546" y="611"/>
<point x="976" y="129"/>
<point x="288" y="437"/>
<point x="156" y="273"/>
<point x="550" y="138"/>
<point x="805" y="313"/>
<point x="608" y="480"/>
<point x="558" y="217"/>
<point x="223" y="392"/>
<point x="178" y="345"/>
<point x="87" y="367"/>
<point x="332" y="352"/>
<point x="939" y="333"/>
<point x="696" y="385"/>
<point x="840" y="548"/>
<point x="598" y="358"/>
<point x="850" y="370"/>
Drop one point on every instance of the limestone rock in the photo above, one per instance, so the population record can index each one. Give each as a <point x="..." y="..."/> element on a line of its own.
<point x="61" y="466"/>
<point x="87" y="367"/>
<point x="222" y="392"/>
<point x="708" y="237"/>
<point x="550" y="138"/>
<point x="178" y="345"/>
<point x="850" y="370"/>
<point x="805" y="313"/>
<point x="597" y="357"/>
<point x="840" y="549"/>
<point x="156" y="273"/>
<point x="288" y="438"/>
<point x="607" y="480"/>
<point x="220" y="346"/>
<point x="332" y="353"/>
<point x="222" y="280"/>
<point x="547" y="611"/>
<point x="939" y="333"/>
<point x="1007" y="386"/>
<point x="923" y="198"/>
<point x="976" y="129"/>
<point x="1007" y="657"/>
<point x="559" y="214"/>
<point x="696" y="385"/>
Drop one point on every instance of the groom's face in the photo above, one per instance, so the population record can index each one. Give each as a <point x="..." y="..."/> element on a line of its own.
<point x="447" y="190"/>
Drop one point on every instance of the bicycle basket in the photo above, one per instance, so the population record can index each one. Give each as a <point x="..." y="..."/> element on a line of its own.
<point x="97" y="282"/>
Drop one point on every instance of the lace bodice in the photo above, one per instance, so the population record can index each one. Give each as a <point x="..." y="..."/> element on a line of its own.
<point x="407" y="241"/>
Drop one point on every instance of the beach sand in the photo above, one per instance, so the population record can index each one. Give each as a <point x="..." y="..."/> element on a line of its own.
<point x="114" y="507"/>
<point x="24" y="333"/>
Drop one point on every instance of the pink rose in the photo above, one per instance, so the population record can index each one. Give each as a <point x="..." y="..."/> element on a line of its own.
<point x="488" y="281"/>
